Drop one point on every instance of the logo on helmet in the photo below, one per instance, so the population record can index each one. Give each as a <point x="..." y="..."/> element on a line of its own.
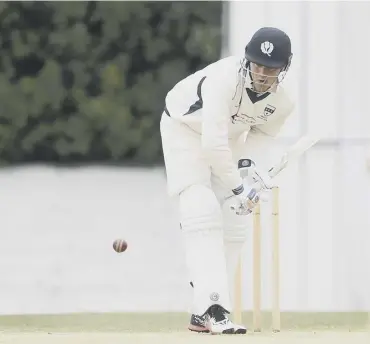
<point x="267" y="48"/>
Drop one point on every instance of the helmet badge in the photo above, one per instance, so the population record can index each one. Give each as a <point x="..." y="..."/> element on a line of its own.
<point x="267" y="48"/>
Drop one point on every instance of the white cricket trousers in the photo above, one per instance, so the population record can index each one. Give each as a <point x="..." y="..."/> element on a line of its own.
<point x="213" y="234"/>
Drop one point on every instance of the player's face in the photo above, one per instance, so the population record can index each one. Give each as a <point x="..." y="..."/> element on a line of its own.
<point x="263" y="77"/>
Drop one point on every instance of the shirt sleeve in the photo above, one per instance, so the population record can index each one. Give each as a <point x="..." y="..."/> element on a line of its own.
<point x="217" y="96"/>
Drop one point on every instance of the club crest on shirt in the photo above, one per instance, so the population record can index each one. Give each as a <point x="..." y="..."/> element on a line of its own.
<point x="267" y="112"/>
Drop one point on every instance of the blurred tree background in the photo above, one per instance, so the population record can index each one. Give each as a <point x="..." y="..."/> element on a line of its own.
<point x="85" y="82"/>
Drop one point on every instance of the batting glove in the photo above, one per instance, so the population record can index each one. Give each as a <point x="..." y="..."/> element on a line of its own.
<point x="252" y="174"/>
<point x="246" y="199"/>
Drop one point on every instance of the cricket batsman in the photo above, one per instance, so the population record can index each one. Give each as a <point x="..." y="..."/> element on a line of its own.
<point x="231" y="109"/>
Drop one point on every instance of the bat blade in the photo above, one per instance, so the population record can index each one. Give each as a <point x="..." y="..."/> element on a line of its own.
<point x="293" y="153"/>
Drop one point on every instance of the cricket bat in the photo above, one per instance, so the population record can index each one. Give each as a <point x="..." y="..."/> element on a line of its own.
<point x="292" y="154"/>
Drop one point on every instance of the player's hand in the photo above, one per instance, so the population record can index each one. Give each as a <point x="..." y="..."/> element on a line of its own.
<point x="261" y="177"/>
<point x="247" y="200"/>
<point x="252" y="174"/>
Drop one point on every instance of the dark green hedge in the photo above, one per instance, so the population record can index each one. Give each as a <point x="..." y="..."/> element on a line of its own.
<point x="86" y="81"/>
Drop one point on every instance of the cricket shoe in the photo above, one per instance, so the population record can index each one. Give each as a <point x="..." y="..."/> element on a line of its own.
<point x="217" y="322"/>
<point x="198" y="324"/>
